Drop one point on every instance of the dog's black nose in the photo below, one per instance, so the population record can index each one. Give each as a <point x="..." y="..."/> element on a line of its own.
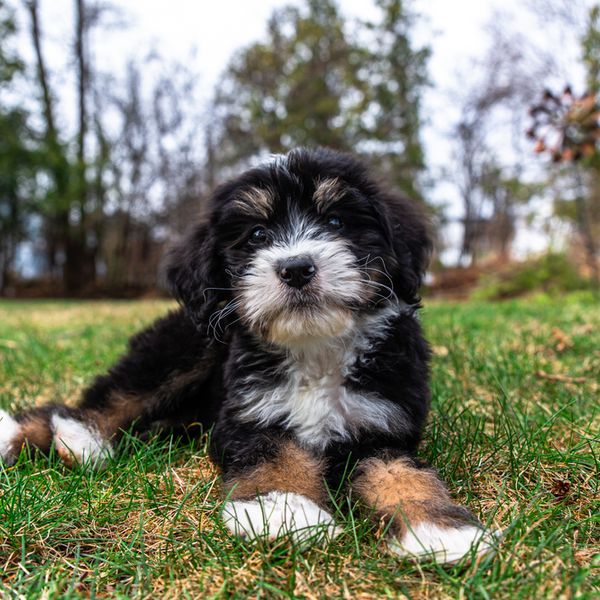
<point x="297" y="272"/>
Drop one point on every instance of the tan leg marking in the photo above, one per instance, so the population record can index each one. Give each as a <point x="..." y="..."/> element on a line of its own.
<point x="398" y="490"/>
<point x="119" y="414"/>
<point x="123" y="409"/>
<point x="34" y="432"/>
<point x="423" y="521"/>
<point x="286" y="495"/>
<point x="293" y="470"/>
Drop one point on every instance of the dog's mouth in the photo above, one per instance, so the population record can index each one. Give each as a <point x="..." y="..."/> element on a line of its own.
<point x="302" y="323"/>
<point x="311" y="306"/>
<point x="298" y="317"/>
<point x="305" y="299"/>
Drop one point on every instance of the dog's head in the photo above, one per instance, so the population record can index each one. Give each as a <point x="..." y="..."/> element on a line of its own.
<point x="298" y="248"/>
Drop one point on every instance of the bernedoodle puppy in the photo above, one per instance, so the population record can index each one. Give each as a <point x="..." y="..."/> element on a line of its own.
<point x="299" y="344"/>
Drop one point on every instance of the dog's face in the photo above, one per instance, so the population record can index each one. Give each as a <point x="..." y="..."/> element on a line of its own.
<point x="298" y="248"/>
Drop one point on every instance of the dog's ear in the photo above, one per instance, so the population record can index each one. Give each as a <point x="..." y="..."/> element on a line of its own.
<point x="412" y="246"/>
<point x="193" y="273"/>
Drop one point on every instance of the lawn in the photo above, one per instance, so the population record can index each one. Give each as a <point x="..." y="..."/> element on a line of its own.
<point x="514" y="430"/>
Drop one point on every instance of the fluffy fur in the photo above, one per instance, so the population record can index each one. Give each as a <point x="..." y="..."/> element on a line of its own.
<point x="298" y="343"/>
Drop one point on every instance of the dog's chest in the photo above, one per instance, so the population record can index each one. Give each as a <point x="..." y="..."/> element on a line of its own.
<point x="313" y="400"/>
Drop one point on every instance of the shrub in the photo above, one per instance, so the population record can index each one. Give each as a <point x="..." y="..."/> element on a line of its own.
<point x="551" y="273"/>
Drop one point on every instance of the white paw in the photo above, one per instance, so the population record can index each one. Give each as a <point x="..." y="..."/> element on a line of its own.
<point x="279" y="513"/>
<point x="79" y="443"/>
<point x="444" y="545"/>
<point x="8" y="430"/>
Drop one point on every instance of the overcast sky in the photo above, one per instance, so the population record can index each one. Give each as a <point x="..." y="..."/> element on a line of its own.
<point x="455" y="30"/>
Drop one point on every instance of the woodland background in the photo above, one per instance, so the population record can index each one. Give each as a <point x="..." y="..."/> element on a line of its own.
<point x="88" y="203"/>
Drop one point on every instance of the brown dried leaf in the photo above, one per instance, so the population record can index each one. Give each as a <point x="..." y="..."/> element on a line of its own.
<point x="562" y="341"/>
<point x="561" y="488"/>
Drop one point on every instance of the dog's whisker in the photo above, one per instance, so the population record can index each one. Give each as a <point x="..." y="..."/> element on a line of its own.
<point x="216" y="318"/>
<point x="368" y="260"/>
<point x="369" y="282"/>
<point x="383" y="270"/>
<point x="234" y="274"/>
<point x="219" y="316"/>
<point x="232" y="323"/>
<point x="382" y="273"/>
<point x="220" y="289"/>
<point x="375" y="285"/>
<point x="215" y="289"/>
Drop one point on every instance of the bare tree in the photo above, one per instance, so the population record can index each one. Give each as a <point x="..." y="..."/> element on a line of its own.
<point x="55" y="210"/>
<point x="158" y="166"/>
<point x="510" y="75"/>
<point x="72" y="208"/>
<point x="572" y="13"/>
<point x="16" y="158"/>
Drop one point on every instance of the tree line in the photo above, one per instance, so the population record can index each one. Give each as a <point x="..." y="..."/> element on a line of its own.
<point x="98" y="203"/>
<point x="96" y="200"/>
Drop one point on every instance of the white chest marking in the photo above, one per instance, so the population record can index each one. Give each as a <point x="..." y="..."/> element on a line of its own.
<point x="313" y="400"/>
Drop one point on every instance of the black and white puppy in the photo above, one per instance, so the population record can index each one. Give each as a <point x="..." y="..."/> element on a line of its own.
<point x="299" y="344"/>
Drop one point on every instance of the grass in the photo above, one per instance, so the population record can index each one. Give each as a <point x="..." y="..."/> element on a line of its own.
<point x="514" y="430"/>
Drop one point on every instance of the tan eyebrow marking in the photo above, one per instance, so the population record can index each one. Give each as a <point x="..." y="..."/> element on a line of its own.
<point x="328" y="192"/>
<point x="255" y="202"/>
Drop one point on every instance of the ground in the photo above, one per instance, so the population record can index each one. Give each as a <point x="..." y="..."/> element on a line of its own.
<point x="514" y="430"/>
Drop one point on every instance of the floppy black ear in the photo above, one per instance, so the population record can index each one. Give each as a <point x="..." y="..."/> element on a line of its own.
<point x="412" y="246"/>
<point x="193" y="273"/>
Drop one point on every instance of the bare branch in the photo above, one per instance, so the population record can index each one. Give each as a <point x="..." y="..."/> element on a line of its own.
<point x="51" y="133"/>
<point x="572" y="13"/>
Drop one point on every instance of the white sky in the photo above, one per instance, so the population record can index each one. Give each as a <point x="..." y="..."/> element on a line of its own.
<point x="454" y="29"/>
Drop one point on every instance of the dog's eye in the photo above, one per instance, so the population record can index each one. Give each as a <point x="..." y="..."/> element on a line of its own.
<point x="258" y="237"/>
<point x="335" y="223"/>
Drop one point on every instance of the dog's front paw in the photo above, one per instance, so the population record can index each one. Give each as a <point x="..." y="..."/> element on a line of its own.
<point x="445" y="545"/>
<point x="279" y="513"/>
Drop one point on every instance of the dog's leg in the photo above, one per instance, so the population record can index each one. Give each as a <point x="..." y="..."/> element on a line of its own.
<point x="87" y="434"/>
<point x="422" y="520"/>
<point x="160" y="385"/>
<point x="75" y="435"/>
<point x="83" y="435"/>
<point x="285" y="494"/>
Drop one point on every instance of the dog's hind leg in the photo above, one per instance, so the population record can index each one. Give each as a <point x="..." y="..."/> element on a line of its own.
<point x="422" y="521"/>
<point x="88" y="433"/>
<point x="85" y="434"/>
<point x="158" y="386"/>
<point x="73" y="434"/>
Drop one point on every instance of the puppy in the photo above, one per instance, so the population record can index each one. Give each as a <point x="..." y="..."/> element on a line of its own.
<point x="299" y="344"/>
